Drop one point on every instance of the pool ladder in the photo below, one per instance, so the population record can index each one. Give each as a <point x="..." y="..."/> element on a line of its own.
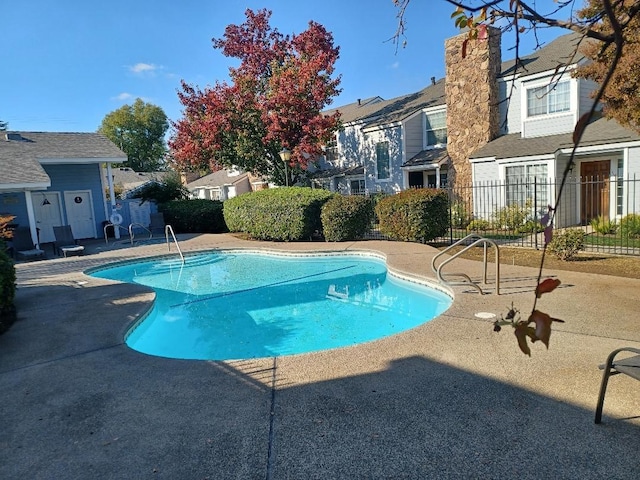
<point x="466" y="280"/>
<point x="168" y="230"/>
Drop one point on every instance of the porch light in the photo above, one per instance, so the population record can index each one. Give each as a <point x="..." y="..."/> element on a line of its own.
<point x="285" y="156"/>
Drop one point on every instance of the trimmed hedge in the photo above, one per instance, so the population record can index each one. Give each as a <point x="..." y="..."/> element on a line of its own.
<point x="416" y="215"/>
<point x="346" y="218"/>
<point x="194" y="216"/>
<point x="7" y="290"/>
<point x="282" y="214"/>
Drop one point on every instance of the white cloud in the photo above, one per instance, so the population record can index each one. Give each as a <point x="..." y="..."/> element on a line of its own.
<point x="395" y="65"/>
<point x="124" y="96"/>
<point x="144" y="68"/>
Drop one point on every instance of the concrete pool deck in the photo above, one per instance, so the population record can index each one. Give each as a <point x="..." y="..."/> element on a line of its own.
<point x="449" y="399"/>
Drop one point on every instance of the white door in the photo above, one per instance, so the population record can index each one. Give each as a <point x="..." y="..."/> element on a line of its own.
<point x="48" y="212"/>
<point x="79" y="209"/>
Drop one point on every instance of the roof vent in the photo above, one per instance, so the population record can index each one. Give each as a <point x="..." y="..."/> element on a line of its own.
<point x="13" y="136"/>
<point x="359" y="101"/>
<point x="433" y="80"/>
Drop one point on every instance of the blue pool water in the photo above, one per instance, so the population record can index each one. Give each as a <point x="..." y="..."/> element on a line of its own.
<point x="238" y="305"/>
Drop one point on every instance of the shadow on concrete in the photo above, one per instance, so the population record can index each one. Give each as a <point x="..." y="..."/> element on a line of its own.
<point x="77" y="403"/>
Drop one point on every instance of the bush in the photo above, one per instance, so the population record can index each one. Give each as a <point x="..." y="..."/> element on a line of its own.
<point x="194" y="216"/>
<point x="479" y="225"/>
<point x="530" y="226"/>
<point x="630" y="226"/>
<point x="7" y="290"/>
<point x="162" y="192"/>
<point x="604" y="226"/>
<point x="513" y="216"/>
<point x="416" y="215"/>
<point x="567" y="244"/>
<point x="282" y="214"/>
<point x="346" y="218"/>
<point x="460" y="217"/>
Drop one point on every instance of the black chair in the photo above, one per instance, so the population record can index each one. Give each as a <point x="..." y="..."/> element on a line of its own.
<point x="629" y="366"/>
<point x="65" y="244"/>
<point x="23" y="247"/>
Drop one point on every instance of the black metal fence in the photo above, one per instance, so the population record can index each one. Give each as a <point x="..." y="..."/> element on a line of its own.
<point x="606" y="209"/>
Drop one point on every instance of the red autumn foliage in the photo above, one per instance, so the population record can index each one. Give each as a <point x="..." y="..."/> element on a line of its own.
<point x="274" y="100"/>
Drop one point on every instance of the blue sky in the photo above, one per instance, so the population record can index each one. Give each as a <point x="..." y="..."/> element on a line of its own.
<point x="66" y="63"/>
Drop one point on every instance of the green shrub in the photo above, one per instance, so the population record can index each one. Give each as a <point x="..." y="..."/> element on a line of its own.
<point x="346" y="218"/>
<point x="530" y="226"/>
<point x="513" y="216"/>
<point x="194" y="216"/>
<point x="567" y="244"/>
<point x="416" y="215"/>
<point x="479" y="225"/>
<point x="162" y="192"/>
<point x="630" y="226"/>
<point x="460" y="217"/>
<point x="604" y="226"/>
<point x="7" y="290"/>
<point x="282" y="214"/>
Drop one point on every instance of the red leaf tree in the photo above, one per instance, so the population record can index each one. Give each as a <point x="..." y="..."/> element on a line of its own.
<point x="274" y="100"/>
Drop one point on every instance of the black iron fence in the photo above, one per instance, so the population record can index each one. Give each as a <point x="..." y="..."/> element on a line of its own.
<point x="509" y="212"/>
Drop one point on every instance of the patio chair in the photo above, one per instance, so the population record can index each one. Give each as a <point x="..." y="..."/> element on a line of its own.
<point x="65" y="244"/>
<point x="157" y="223"/>
<point x="629" y="366"/>
<point x="23" y="246"/>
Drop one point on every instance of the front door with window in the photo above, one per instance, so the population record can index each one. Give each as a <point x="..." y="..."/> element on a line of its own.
<point x="594" y="190"/>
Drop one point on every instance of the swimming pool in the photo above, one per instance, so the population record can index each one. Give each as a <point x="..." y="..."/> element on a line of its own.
<point x="238" y="305"/>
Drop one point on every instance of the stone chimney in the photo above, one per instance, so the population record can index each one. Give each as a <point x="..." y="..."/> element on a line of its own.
<point x="471" y="89"/>
<point x="188" y="177"/>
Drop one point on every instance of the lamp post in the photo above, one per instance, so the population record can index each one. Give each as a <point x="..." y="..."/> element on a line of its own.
<point x="285" y="155"/>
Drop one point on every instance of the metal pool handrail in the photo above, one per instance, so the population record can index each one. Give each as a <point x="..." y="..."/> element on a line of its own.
<point x="132" y="235"/>
<point x="467" y="280"/>
<point x="168" y="229"/>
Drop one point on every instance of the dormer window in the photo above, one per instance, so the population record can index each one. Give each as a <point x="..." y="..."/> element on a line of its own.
<point x="436" y="128"/>
<point x="549" y="99"/>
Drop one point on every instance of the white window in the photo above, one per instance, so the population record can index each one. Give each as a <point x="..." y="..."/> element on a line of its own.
<point x="331" y="151"/>
<point x="436" y="124"/>
<point x="527" y="183"/>
<point x="549" y="99"/>
<point x="383" y="166"/>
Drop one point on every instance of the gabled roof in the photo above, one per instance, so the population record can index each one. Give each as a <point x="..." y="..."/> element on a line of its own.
<point x="217" y="179"/>
<point x="562" y="51"/>
<point x="22" y="153"/>
<point x="356" y="110"/>
<point x="599" y="132"/>
<point x="129" y="178"/>
<point x="400" y="108"/>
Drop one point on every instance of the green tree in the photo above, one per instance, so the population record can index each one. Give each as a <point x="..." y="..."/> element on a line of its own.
<point x="139" y="131"/>
<point x="3" y="126"/>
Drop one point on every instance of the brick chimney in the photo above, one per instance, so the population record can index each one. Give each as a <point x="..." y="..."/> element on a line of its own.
<point x="471" y="89"/>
